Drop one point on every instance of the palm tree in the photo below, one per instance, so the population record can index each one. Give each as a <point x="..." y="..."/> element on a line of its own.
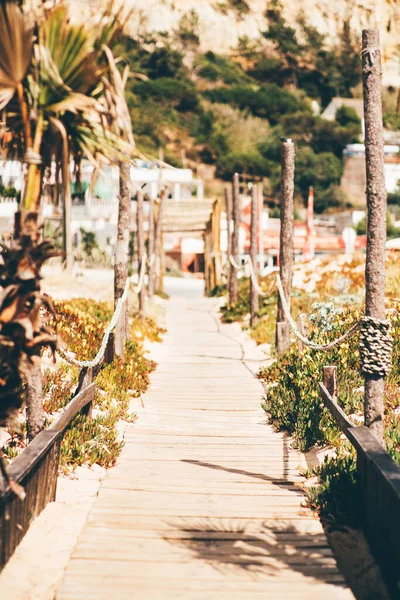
<point x="55" y="97"/>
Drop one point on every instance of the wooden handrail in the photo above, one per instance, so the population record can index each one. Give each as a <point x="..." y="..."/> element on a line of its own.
<point x="379" y="487"/>
<point x="36" y="469"/>
<point x="28" y="459"/>
<point x="336" y="411"/>
<point x="77" y="403"/>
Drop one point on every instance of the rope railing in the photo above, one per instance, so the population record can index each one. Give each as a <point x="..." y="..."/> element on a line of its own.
<point x="114" y="320"/>
<point x="352" y="331"/>
<point x="253" y="276"/>
<point x="375" y="339"/>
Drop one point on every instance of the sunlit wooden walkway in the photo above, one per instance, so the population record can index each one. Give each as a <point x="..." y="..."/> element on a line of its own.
<point x="206" y="500"/>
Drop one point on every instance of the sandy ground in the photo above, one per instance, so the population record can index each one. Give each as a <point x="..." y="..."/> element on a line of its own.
<point x="39" y="561"/>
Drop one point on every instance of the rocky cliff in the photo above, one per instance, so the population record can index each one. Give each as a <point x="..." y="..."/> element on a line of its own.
<point x="221" y="26"/>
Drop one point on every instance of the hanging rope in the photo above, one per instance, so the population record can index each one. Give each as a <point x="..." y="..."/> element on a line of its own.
<point x="234" y="264"/>
<point x="114" y="320"/>
<point x="32" y="158"/>
<point x="254" y="279"/>
<point x="370" y="52"/>
<point x="352" y="331"/>
<point x="376" y="345"/>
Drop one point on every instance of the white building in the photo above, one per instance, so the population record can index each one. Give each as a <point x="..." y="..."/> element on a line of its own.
<point x="97" y="210"/>
<point x="354" y="179"/>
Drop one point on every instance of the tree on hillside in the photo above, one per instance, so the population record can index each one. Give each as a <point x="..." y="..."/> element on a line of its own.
<point x="309" y="64"/>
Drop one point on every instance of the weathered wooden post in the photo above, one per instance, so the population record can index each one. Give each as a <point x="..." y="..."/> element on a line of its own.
<point x="330" y="380"/>
<point x="286" y="242"/>
<point x="34" y="402"/>
<point x="228" y="210"/>
<point x="158" y="238"/>
<point x="376" y="215"/>
<point x="67" y="226"/>
<point x="260" y="227"/>
<point x="233" y="285"/>
<point x="122" y="252"/>
<point x="150" y="248"/>
<point x="216" y="223"/>
<point x="110" y="349"/>
<point x="140" y="250"/>
<point x="207" y="259"/>
<point x="254" y="303"/>
<point x="162" y="264"/>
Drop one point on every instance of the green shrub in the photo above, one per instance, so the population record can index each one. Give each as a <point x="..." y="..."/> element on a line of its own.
<point x="91" y="441"/>
<point x="58" y="386"/>
<point x="250" y="163"/>
<point x="269" y="101"/>
<point x="82" y="325"/>
<point x="179" y="94"/>
<point x="163" y="62"/>
<point x="216" y="67"/>
<point x="336" y="497"/>
<point x="128" y="375"/>
<point x="347" y="116"/>
<point x="293" y="400"/>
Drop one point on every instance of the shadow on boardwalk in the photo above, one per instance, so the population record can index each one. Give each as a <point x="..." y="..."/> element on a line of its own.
<point x="283" y="481"/>
<point x="257" y="547"/>
<point x="260" y="549"/>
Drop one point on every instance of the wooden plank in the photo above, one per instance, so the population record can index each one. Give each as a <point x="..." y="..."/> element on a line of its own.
<point x="337" y="413"/>
<point x="205" y="499"/>
<point x="73" y="408"/>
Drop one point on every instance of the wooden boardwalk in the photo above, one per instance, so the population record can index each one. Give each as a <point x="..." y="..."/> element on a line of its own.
<point x="206" y="499"/>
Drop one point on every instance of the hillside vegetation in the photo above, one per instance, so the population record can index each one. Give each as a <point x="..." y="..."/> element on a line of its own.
<point x="228" y="111"/>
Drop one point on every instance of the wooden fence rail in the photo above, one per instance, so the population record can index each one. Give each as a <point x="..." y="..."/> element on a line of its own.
<point x="36" y="469"/>
<point x="379" y="492"/>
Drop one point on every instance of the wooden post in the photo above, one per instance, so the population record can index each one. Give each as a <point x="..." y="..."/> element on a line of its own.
<point x="282" y="337"/>
<point x="286" y="236"/>
<point x="207" y="259"/>
<point x="86" y="378"/>
<point x="254" y="300"/>
<point x="162" y="264"/>
<point x="34" y="402"/>
<point x="330" y="380"/>
<point x="150" y="248"/>
<point x="122" y="252"/>
<point x="376" y="215"/>
<point x="228" y="210"/>
<point x="212" y="249"/>
<point x="233" y="283"/>
<point x="158" y="245"/>
<point x="67" y="229"/>
<point x="260" y="227"/>
<point x="110" y="350"/>
<point x="217" y="243"/>
<point x="140" y="249"/>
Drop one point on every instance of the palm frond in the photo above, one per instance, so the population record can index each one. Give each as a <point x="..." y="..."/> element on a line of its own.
<point x="115" y="84"/>
<point x="16" y="42"/>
